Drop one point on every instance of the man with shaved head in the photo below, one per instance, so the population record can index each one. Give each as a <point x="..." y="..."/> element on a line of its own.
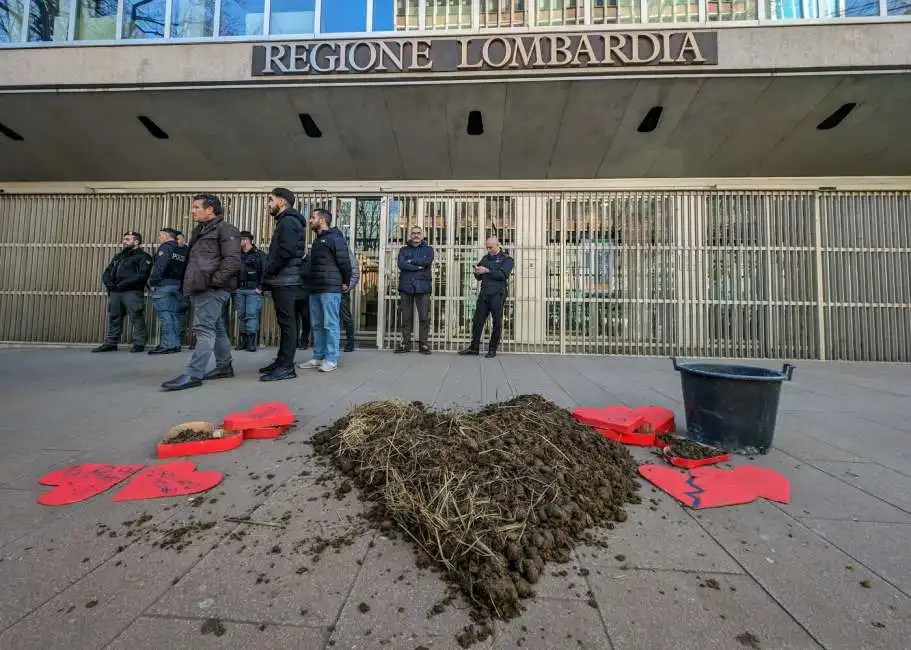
<point x="493" y="272"/>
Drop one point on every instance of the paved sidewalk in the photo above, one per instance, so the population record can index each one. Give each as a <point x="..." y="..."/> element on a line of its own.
<point x="832" y="569"/>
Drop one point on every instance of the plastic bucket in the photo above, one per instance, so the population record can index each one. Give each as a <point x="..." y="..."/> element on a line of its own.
<point x="733" y="407"/>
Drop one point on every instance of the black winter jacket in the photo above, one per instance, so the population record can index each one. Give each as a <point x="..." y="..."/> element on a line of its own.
<point x="252" y="269"/>
<point x="286" y="250"/>
<point x="214" y="258"/>
<point x="328" y="266"/>
<point x="496" y="280"/>
<point x="415" y="265"/>
<point x="170" y="263"/>
<point x="128" y="271"/>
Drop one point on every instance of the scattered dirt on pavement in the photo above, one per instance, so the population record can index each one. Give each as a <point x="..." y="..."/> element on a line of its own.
<point x="181" y="535"/>
<point x="363" y="608"/>
<point x="866" y="584"/>
<point x="212" y="626"/>
<point x="748" y="640"/>
<point x="488" y="497"/>
<point x="683" y="448"/>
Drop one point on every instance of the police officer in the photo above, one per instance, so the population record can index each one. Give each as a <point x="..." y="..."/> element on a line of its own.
<point x="493" y="272"/>
<point x="164" y="285"/>
<point x="248" y="299"/>
<point x="125" y="279"/>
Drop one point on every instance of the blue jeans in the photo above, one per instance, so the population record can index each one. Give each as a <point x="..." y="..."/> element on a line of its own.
<point x="248" y="303"/>
<point x="211" y="335"/>
<point x="324" y="317"/>
<point x="167" y="299"/>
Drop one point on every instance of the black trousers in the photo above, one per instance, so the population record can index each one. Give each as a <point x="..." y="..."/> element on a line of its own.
<point x="408" y="301"/>
<point x="488" y="305"/>
<point x="302" y="316"/>
<point x="120" y="304"/>
<point x="285" y="300"/>
<point x="347" y="319"/>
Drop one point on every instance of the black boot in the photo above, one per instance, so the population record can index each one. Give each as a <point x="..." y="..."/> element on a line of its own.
<point x="469" y="351"/>
<point x="491" y="353"/>
<point x="251" y="342"/>
<point x="106" y="347"/>
<point x="241" y="342"/>
<point x="224" y="372"/>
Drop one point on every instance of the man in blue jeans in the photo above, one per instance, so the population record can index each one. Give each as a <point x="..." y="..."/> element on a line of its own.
<point x="248" y="299"/>
<point x="164" y="287"/>
<point x="327" y="274"/>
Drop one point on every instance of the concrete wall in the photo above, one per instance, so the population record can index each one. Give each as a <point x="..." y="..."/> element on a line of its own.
<point x="874" y="46"/>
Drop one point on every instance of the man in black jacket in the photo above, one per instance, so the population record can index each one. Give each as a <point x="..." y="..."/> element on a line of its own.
<point x="248" y="299"/>
<point x="493" y="272"/>
<point x="283" y="278"/>
<point x="125" y="280"/>
<point x="415" y="286"/>
<point x="328" y="275"/>
<point x="164" y="287"/>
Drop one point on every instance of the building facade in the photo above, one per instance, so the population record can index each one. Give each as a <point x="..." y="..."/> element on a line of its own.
<point x="693" y="178"/>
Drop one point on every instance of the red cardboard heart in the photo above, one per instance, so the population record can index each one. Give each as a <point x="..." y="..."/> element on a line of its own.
<point x="711" y="487"/>
<point x="169" y="480"/>
<point x="81" y="482"/>
<point x="270" y="414"/>
<point x="615" y="418"/>
<point x="661" y="419"/>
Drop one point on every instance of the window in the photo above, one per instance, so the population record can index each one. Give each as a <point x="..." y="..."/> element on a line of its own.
<point x="12" y="13"/>
<point x="143" y="19"/>
<point x="241" y="18"/>
<point x="503" y="13"/>
<point x="611" y="12"/>
<point x="551" y="13"/>
<point x="343" y="16"/>
<point x="49" y="20"/>
<point x="724" y="10"/>
<point x="448" y="14"/>
<point x="407" y="14"/>
<point x="673" y="11"/>
<point x="292" y="17"/>
<point x="96" y="20"/>
<point x="192" y="18"/>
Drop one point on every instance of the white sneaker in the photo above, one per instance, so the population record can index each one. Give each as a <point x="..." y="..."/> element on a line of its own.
<point x="328" y="366"/>
<point x="310" y="365"/>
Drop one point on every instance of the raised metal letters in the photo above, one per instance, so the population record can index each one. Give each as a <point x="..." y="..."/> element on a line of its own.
<point x="583" y="50"/>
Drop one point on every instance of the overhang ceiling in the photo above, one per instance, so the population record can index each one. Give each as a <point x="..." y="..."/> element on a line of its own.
<point x="710" y="127"/>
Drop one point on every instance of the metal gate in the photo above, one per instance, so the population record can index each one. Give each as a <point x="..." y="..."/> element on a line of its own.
<point x="771" y="274"/>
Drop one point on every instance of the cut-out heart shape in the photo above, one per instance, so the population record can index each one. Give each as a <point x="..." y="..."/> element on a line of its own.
<point x="614" y="418"/>
<point x="711" y="487"/>
<point x="270" y="414"/>
<point x="80" y="482"/>
<point x="169" y="480"/>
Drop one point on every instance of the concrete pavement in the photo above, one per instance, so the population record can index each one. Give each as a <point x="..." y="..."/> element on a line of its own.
<point x="832" y="569"/>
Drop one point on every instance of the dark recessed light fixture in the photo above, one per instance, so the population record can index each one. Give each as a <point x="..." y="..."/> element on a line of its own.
<point x="9" y="133"/>
<point x="475" y="123"/>
<point x="836" y="117"/>
<point x="650" y="122"/>
<point x="310" y="127"/>
<point x="151" y="127"/>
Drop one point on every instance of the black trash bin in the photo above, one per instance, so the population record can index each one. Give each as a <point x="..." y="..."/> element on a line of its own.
<point x="731" y="406"/>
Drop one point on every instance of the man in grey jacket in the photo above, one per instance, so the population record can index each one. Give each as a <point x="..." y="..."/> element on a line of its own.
<point x="346" y="317"/>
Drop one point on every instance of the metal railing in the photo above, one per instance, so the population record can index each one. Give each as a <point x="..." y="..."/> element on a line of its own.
<point x="748" y="274"/>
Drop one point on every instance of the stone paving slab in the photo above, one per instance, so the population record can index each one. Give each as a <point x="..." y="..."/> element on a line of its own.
<point x="843" y="441"/>
<point x="817" y="584"/>
<point x="672" y="609"/>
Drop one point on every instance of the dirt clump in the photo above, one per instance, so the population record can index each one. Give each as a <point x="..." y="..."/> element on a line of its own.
<point x="683" y="448"/>
<point x="188" y="435"/>
<point x="487" y="497"/>
<point x="748" y="640"/>
<point x="212" y="626"/>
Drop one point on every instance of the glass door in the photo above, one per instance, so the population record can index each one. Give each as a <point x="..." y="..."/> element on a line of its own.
<point x="359" y="220"/>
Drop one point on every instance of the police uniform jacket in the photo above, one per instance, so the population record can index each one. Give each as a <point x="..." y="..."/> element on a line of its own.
<point x="252" y="269"/>
<point x="170" y="263"/>
<point x="128" y="271"/>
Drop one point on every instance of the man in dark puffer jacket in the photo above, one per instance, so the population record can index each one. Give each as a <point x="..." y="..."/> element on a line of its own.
<point x="283" y="278"/>
<point x="125" y="279"/>
<point x="328" y="274"/>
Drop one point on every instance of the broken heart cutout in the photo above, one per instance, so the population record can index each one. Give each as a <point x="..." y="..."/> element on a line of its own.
<point x="711" y="487"/>
<point x="80" y="482"/>
<point x="269" y="414"/>
<point x="621" y="419"/>
<point x="661" y="419"/>
<point x="169" y="480"/>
